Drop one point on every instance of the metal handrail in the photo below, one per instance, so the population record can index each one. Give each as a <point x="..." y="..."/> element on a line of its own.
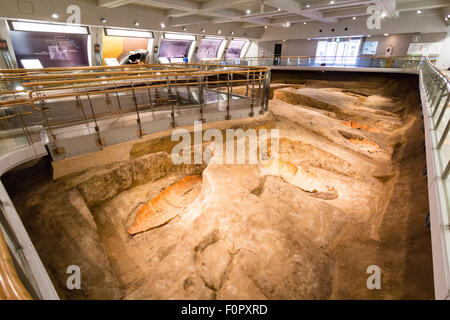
<point x="47" y="89"/>
<point x="435" y="88"/>
<point x="378" y="61"/>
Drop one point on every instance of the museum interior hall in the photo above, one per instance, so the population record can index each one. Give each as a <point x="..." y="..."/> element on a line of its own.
<point x="224" y="150"/>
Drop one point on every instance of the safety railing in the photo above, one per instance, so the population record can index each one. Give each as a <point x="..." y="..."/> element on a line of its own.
<point x="81" y="110"/>
<point x="343" y="61"/>
<point x="96" y="107"/>
<point x="11" y="286"/>
<point x="436" y="94"/>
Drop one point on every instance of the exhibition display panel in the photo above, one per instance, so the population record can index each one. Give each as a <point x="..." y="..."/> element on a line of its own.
<point x="174" y="46"/>
<point x="121" y="44"/>
<point x="235" y="48"/>
<point x="37" y="45"/>
<point x="209" y="48"/>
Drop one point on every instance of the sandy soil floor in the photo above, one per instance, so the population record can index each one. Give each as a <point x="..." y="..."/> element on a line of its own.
<point x="348" y="192"/>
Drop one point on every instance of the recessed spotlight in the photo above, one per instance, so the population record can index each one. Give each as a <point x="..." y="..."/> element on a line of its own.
<point x="279" y="9"/>
<point x="163" y="25"/>
<point x="307" y="5"/>
<point x="309" y="38"/>
<point x="368" y="36"/>
<point x="354" y="18"/>
<point x="248" y="11"/>
<point x="184" y="28"/>
<point x="383" y="15"/>
<point x="103" y="20"/>
<point x="265" y="27"/>
<point x="203" y="30"/>
<point x="232" y="32"/>
<point x="136" y="23"/>
<point x="219" y="31"/>
<point x="386" y="34"/>
<point x="55" y="16"/>
<point x="288" y="24"/>
<point x="331" y="2"/>
<point x="304" y="22"/>
<point x="284" y="40"/>
<point x="419" y="11"/>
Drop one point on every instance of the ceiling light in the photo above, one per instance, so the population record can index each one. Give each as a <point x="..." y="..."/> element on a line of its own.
<point x="248" y="11"/>
<point x="304" y="22"/>
<point x="47" y="27"/>
<point x="419" y="11"/>
<point x="354" y="18"/>
<point x="232" y="32"/>
<point x="219" y="31"/>
<point x="307" y="5"/>
<point x="288" y="24"/>
<point x="103" y="20"/>
<point x="446" y="19"/>
<point x="368" y="36"/>
<point x="383" y="15"/>
<point x="55" y="16"/>
<point x="284" y="40"/>
<point x="178" y="36"/>
<point x="203" y="30"/>
<point x="265" y="27"/>
<point x="18" y="88"/>
<point x="128" y="33"/>
<point x="331" y="2"/>
<point x="163" y="25"/>
<point x="136" y="23"/>
<point x="279" y="9"/>
<point x="386" y="34"/>
<point x="184" y="28"/>
<point x="309" y="38"/>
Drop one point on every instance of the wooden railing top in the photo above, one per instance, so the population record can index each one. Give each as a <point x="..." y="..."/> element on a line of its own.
<point x="11" y="287"/>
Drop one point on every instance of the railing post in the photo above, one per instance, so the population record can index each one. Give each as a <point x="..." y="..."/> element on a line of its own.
<point x="252" y="105"/>
<point x="97" y="128"/>
<point x="441" y="115"/>
<point x="200" y="97"/>
<point x="138" y="119"/>
<point x="149" y="98"/>
<point x="228" y="117"/>
<point x="246" y="90"/>
<point x="217" y="88"/>
<point x="25" y="128"/>
<point x="117" y="96"/>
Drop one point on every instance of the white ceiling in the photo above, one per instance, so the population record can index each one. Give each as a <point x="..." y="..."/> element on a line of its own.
<point x="275" y="13"/>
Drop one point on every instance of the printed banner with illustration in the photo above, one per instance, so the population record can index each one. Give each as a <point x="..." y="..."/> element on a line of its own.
<point x="50" y="49"/>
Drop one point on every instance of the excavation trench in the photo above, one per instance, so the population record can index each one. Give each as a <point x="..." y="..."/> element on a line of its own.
<point x="346" y="192"/>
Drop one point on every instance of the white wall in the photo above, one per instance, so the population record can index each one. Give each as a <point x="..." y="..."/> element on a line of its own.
<point x="123" y="16"/>
<point x="444" y="59"/>
<point x="400" y="43"/>
<point x="405" y="24"/>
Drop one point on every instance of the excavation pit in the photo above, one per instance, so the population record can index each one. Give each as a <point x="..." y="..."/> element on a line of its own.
<point x="236" y="231"/>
